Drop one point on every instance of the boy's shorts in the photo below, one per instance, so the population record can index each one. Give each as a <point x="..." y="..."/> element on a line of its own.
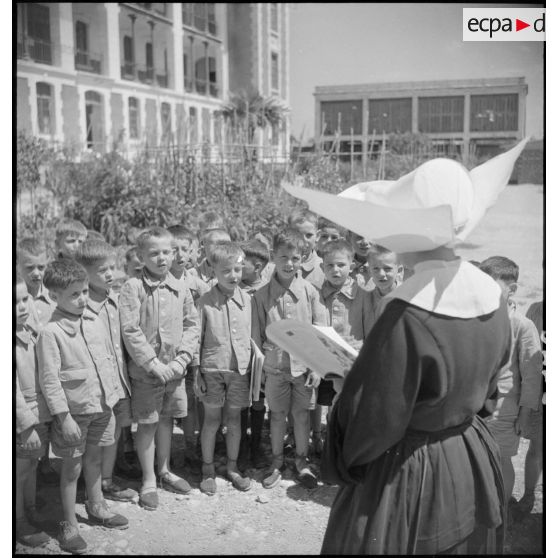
<point x="43" y="432"/>
<point x="284" y="392"/>
<point x="150" y="402"/>
<point x="97" y="429"/>
<point x="123" y="412"/>
<point x="503" y="430"/>
<point x="230" y="387"/>
<point x="535" y="425"/>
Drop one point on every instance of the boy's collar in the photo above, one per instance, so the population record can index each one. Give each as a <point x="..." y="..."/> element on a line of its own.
<point x="310" y="262"/>
<point x="70" y="323"/>
<point x="348" y="289"/>
<point x="169" y="279"/>
<point x="236" y="296"/>
<point x="25" y="332"/>
<point x="296" y="287"/>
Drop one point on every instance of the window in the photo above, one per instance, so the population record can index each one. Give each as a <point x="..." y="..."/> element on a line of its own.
<point x="38" y="30"/>
<point x="490" y="113"/>
<point x="188" y="14"/>
<point x="201" y="77"/>
<point x="187" y="79"/>
<point x="389" y="116"/>
<point x="166" y="121"/>
<point x="81" y="36"/>
<point x="128" y="68"/>
<point x="213" y="88"/>
<point x="200" y="16"/>
<point x="274" y="13"/>
<point x="274" y="71"/>
<point x="133" y="117"/>
<point x="45" y="108"/>
<point x="211" y="19"/>
<point x="441" y="114"/>
<point x="94" y="120"/>
<point x="148" y="55"/>
<point x="342" y="115"/>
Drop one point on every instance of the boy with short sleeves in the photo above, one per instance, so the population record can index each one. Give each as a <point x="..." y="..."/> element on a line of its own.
<point x="70" y="235"/>
<point x="288" y="384"/>
<point x="306" y="223"/>
<point x="519" y="382"/>
<point x="160" y="329"/>
<point x="32" y="416"/>
<point x="222" y="376"/>
<point x="76" y="375"/>
<point x="99" y="260"/>
<point x="386" y="273"/>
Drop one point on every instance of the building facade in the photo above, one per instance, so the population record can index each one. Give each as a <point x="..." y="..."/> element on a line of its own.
<point x="92" y="74"/>
<point x="480" y="115"/>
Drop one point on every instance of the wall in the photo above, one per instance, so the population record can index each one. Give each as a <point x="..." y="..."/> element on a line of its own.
<point x="23" y="107"/>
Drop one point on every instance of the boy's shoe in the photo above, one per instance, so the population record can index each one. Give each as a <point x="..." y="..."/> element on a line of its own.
<point x="100" y="514"/>
<point x="46" y="474"/>
<point x="114" y="492"/>
<point x="149" y="500"/>
<point x="29" y="535"/>
<point x="208" y="485"/>
<point x="272" y="479"/>
<point x="69" y="538"/>
<point x="305" y="475"/>
<point x="239" y="482"/>
<point x="173" y="483"/>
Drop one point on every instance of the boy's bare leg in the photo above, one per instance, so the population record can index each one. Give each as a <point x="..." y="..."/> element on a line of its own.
<point x="509" y="476"/>
<point x="145" y="443"/>
<point x="211" y="423"/>
<point x="533" y="471"/>
<point x="277" y="429"/>
<point x="92" y="460"/>
<point x="301" y="419"/>
<point x="163" y="441"/>
<point x="233" y="437"/>
<point x="109" y="455"/>
<point x="69" y="474"/>
<point x="316" y="420"/>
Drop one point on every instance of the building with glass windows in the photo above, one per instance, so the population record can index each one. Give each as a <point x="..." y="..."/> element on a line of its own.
<point x="91" y="74"/>
<point x="471" y="115"/>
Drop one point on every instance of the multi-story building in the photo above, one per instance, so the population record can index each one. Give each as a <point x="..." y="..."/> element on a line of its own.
<point x="480" y="115"/>
<point x="91" y="74"/>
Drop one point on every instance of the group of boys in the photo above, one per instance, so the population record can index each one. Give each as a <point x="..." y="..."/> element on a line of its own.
<point x="177" y="343"/>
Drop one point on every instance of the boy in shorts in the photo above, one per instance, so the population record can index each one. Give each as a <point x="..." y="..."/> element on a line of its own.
<point x="224" y="356"/>
<point x="288" y="384"/>
<point x="160" y="329"/>
<point x="519" y="383"/>
<point x="76" y="375"/>
<point x="386" y="272"/>
<point x="99" y="260"/>
<point x="70" y="235"/>
<point x="32" y="416"/>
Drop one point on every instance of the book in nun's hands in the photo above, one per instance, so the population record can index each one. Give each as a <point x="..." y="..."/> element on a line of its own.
<point x="321" y="349"/>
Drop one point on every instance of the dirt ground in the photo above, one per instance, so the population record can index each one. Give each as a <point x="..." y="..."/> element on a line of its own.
<point x="290" y="519"/>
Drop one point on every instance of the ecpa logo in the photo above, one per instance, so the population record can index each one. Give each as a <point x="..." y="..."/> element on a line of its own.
<point x="503" y="24"/>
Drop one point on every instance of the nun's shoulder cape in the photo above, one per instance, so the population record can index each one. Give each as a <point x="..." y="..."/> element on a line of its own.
<point x="418" y="471"/>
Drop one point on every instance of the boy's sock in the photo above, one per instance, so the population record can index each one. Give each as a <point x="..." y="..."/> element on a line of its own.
<point x="257" y="419"/>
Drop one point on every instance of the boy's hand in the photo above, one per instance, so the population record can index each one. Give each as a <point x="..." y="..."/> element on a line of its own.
<point x="313" y="380"/>
<point x="29" y="440"/>
<point x="71" y="432"/>
<point x="522" y="422"/>
<point x="177" y="370"/>
<point x="200" y="387"/>
<point x="160" y="371"/>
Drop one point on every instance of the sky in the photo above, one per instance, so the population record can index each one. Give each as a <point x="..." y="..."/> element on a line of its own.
<point x="350" y="43"/>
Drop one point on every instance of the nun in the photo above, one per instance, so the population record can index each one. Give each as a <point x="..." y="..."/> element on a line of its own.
<point x="418" y="471"/>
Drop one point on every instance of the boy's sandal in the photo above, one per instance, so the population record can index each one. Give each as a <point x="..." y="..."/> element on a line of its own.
<point x="148" y="499"/>
<point x="175" y="484"/>
<point x="113" y="492"/>
<point x="29" y="535"/>
<point x="208" y="486"/>
<point x="100" y="514"/>
<point x="272" y="479"/>
<point x="239" y="482"/>
<point x="69" y="538"/>
<point x="307" y="478"/>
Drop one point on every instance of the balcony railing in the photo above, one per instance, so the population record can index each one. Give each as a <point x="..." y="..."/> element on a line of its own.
<point x="163" y="80"/>
<point x="200" y="86"/>
<point x="146" y="75"/>
<point x="128" y="70"/>
<point x="88" y="61"/>
<point x="35" y="49"/>
<point x="188" y="85"/>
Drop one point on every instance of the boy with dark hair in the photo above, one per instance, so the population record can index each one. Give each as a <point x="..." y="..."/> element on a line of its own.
<point x="134" y="267"/>
<point x="224" y="357"/>
<point x="256" y="257"/>
<point x="76" y="375"/>
<point x="288" y="384"/>
<point x="209" y="239"/>
<point x="519" y="383"/>
<point x="327" y="232"/>
<point x="70" y="234"/>
<point x="360" y="271"/>
<point x="306" y="223"/>
<point x="99" y="260"/>
<point x="386" y="272"/>
<point x="160" y="328"/>
<point x="32" y="417"/>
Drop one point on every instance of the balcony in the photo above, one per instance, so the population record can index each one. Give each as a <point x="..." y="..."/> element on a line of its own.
<point x="188" y="85"/>
<point x="146" y="74"/>
<point x="88" y="61"/>
<point x="128" y="71"/>
<point x="163" y="80"/>
<point x="35" y="49"/>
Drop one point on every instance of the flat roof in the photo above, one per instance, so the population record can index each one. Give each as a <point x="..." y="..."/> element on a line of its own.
<point x="431" y="84"/>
